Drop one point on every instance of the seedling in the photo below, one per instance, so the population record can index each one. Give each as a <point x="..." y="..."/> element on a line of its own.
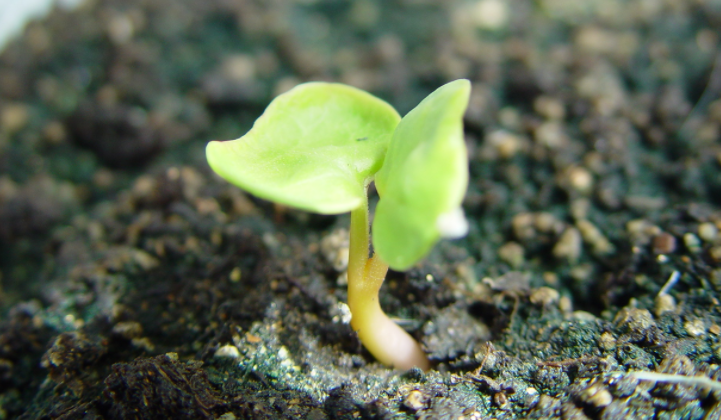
<point x="318" y="147"/>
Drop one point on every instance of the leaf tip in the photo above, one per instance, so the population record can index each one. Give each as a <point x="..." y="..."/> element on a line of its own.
<point x="213" y="154"/>
<point x="462" y="87"/>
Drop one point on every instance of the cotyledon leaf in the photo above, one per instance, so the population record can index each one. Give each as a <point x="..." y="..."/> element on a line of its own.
<point x="314" y="148"/>
<point x="423" y="179"/>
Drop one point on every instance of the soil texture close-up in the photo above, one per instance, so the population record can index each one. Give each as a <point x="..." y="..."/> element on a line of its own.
<point x="135" y="283"/>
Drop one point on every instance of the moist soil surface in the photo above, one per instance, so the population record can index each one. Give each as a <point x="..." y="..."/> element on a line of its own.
<point x="136" y="284"/>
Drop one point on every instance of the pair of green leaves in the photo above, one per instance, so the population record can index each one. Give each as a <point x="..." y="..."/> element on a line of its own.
<point x="318" y="146"/>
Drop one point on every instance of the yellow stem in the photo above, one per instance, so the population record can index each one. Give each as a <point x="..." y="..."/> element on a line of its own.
<point x="383" y="338"/>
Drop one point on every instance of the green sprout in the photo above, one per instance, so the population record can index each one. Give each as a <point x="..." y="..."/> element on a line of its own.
<point x="318" y="147"/>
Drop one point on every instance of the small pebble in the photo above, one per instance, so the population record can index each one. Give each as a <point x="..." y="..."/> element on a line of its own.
<point x="120" y="29"/>
<point x="55" y="132"/>
<point x="128" y="329"/>
<point x="207" y="205"/>
<point x="565" y="304"/>
<point x="241" y="204"/>
<point x="364" y="14"/>
<point x="335" y="247"/>
<point x="707" y="133"/>
<point x="597" y="396"/>
<point x="13" y="117"/>
<point x="500" y="400"/>
<point x="645" y="204"/>
<point x="235" y="275"/>
<point x="708" y="232"/>
<point x="692" y="242"/>
<point x="414" y="400"/>
<point x="145" y="260"/>
<point x="39" y="38"/>
<point x="550" y="278"/>
<point x="227" y="351"/>
<point x="8" y="188"/>
<point x="522" y="225"/>
<point x="593" y="236"/>
<point x="592" y="39"/>
<point x="238" y="68"/>
<point x="544" y="296"/>
<point x="547" y="223"/>
<point x="695" y="327"/>
<point x="579" y="179"/>
<point x="143" y="343"/>
<point x="530" y="398"/>
<point x="511" y="253"/>
<point x="584" y="316"/>
<point x="607" y="341"/>
<point x="510" y="118"/>
<point x="641" y="231"/>
<point x="504" y="143"/>
<point x="664" y="303"/>
<point x="551" y="135"/>
<point x="581" y="272"/>
<point x="580" y="207"/>
<point x="634" y="320"/>
<point x="568" y="246"/>
<point x="551" y="108"/>
<point x="483" y="14"/>
<point x="490" y="14"/>
<point x="663" y="243"/>
<point x="715" y="253"/>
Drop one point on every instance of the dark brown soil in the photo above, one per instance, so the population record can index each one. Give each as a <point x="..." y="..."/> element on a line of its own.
<point x="136" y="284"/>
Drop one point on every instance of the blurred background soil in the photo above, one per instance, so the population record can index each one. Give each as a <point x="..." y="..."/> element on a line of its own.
<point x="136" y="284"/>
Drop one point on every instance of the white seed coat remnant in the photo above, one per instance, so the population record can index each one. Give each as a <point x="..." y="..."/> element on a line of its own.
<point x="453" y="224"/>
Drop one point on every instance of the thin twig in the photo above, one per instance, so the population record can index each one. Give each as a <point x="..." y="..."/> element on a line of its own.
<point x="696" y="380"/>
<point x="673" y="278"/>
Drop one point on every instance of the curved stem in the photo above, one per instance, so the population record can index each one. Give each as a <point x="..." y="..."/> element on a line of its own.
<point x="383" y="338"/>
